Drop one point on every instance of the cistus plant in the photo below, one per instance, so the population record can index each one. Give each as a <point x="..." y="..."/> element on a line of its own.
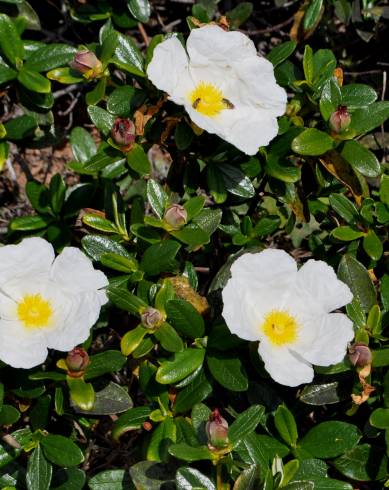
<point x="199" y="297"/>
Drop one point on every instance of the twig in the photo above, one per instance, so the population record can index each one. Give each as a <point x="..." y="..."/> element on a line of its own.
<point x="271" y="28"/>
<point x="361" y="73"/>
<point x="65" y="91"/>
<point x="143" y="33"/>
<point x="11" y="171"/>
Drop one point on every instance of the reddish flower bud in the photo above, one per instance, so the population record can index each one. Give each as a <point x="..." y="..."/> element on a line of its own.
<point x="77" y="361"/>
<point x="175" y="216"/>
<point x="123" y="132"/>
<point x="217" y="430"/>
<point x="86" y="61"/>
<point x="359" y="354"/>
<point x="340" y="119"/>
<point x="151" y="318"/>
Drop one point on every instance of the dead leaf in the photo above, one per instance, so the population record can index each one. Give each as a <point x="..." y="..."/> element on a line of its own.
<point x="185" y="291"/>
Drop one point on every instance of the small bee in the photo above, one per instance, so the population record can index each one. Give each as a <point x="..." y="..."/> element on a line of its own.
<point x="228" y="104"/>
<point x="196" y="103"/>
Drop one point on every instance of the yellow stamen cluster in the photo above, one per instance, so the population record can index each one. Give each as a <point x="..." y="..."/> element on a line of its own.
<point x="34" y="311"/>
<point x="280" y="327"/>
<point x="207" y="99"/>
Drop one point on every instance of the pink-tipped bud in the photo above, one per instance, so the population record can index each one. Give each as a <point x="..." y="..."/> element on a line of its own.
<point x="77" y="361"/>
<point x="340" y="119"/>
<point x="152" y="318"/>
<point x="359" y="354"/>
<point x="123" y="132"/>
<point x="87" y="62"/>
<point x="217" y="430"/>
<point x="175" y="216"/>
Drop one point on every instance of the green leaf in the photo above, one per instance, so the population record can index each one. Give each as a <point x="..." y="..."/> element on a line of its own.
<point x="384" y="189"/>
<point x="161" y="439"/>
<point x="346" y="233"/>
<point x="20" y="127"/>
<point x="64" y="75"/>
<point x="138" y="161"/>
<point x="9" y="415"/>
<point x="183" y="135"/>
<point x="82" y="394"/>
<point x="97" y="93"/>
<point x="260" y="449"/>
<point x="105" y="362"/>
<point x="128" y="57"/>
<point x="191" y="478"/>
<point x="125" y="300"/>
<point x="312" y="14"/>
<point x="235" y="181"/>
<point x="160" y="257"/>
<point x="357" y="95"/>
<point x="281" y="52"/>
<point x="140" y="9"/>
<point x="119" y="101"/>
<point x="194" y="205"/>
<point x="39" y="471"/>
<point x="330" y="439"/>
<point x="157" y="197"/>
<point x="132" y="339"/>
<point x="249" y="479"/>
<point x="110" y="480"/>
<point x="373" y="245"/>
<point x="61" y="451"/>
<point x="133" y="419"/>
<point x="322" y="394"/>
<point x="10" y="43"/>
<point x="361" y="159"/>
<point x="110" y="400"/>
<point x="380" y="358"/>
<point x="344" y="207"/>
<point x="366" y="119"/>
<point x="286" y="425"/>
<point x="97" y="245"/>
<point x="185" y="318"/>
<point x="195" y="392"/>
<point x="355" y="275"/>
<point x="228" y="371"/>
<point x="239" y="14"/>
<point x="180" y="366"/>
<point x="68" y="479"/>
<point x="29" y="223"/>
<point x="312" y="142"/>
<point x="282" y="171"/>
<point x="308" y="65"/>
<point x="385" y="291"/>
<point x="119" y="263"/>
<point x="50" y="56"/>
<point x="83" y="145"/>
<point x="57" y="191"/>
<point x="330" y="98"/>
<point x="169" y="338"/>
<point x="189" y="453"/>
<point x="108" y="47"/>
<point x="362" y="463"/>
<point x="99" y="223"/>
<point x="246" y="423"/>
<point x="102" y="119"/>
<point x="151" y="476"/>
<point x="380" y="418"/>
<point x="6" y="72"/>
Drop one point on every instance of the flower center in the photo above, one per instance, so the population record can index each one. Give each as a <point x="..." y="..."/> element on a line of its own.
<point x="34" y="311"/>
<point x="207" y="99"/>
<point x="280" y="327"/>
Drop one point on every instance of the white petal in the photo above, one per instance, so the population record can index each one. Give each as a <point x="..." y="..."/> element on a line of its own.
<point x="73" y="271"/>
<point x="21" y="349"/>
<point x="258" y="85"/>
<point x="212" y="44"/>
<point x="319" y="280"/>
<point x="31" y="257"/>
<point x="168" y="65"/>
<point x="246" y="127"/>
<point x="333" y="332"/>
<point x="284" y="366"/>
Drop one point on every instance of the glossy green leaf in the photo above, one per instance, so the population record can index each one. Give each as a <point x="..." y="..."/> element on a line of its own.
<point x="286" y="425"/>
<point x="185" y="318"/>
<point x="10" y="42"/>
<point x="39" y="471"/>
<point x="312" y="142"/>
<point x="228" y="371"/>
<point x="246" y="423"/>
<point x="361" y="159"/>
<point x="180" y="366"/>
<point x="50" y="56"/>
<point x="61" y="451"/>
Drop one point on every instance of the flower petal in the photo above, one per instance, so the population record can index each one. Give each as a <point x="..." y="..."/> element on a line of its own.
<point x="212" y="44"/>
<point x="284" y="366"/>
<point x="319" y="280"/>
<point x="168" y="65"/>
<point x="333" y="333"/>
<point x="73" y="271"/>
<point x="32" y="257"/>
<point x="21" y="349"/>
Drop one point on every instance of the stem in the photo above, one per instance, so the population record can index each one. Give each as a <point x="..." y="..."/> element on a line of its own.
<point x="219" y="480"/>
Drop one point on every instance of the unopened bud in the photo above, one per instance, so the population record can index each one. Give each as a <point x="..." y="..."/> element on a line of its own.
<point x="359" y="354"/>
<point x="217" y="430"/>
<point x="151" y="318"/>
<point x="123" y="132"/>
<point x="175" y="216"/>
<point x="77" y="361"/>
<point x="340" y="119"/>
<point x="87" y="63"/>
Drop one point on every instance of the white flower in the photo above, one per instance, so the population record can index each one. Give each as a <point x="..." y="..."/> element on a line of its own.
<point x="45" y="302"/>
<point x="289" y="312"/>
<point x="225" y="87"/>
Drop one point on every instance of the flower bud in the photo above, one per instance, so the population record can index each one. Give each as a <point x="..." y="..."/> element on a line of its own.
<point x="340" y="119"/>
<point x="151" y="318"/>
<point x="87" y="63"/>
<point x="123" y="132"/>
<point x="77" y="361"/>
<point x="217" y="430"/>
<point x="359" y="354"/>
<point x="175" y="216"/>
